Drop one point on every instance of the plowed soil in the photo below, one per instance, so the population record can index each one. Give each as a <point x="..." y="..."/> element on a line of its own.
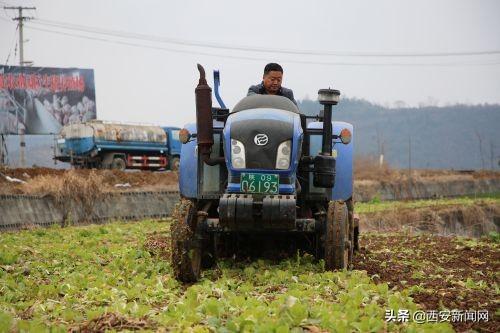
<point x="442" y="272"/>
<point x="136" y="180"/>
<point x="166" y="180"/>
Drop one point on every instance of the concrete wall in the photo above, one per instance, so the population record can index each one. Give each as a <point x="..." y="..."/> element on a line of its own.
<point x="367" y="190"/>
<point x="18" y="211"/>
<point x="469" y="221"/>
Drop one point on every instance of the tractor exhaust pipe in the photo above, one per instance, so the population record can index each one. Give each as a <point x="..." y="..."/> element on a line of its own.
<point x="326" y="145"/>
<point x="204" y="123"/>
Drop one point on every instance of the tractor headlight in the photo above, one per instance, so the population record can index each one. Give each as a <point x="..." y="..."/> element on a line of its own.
<point x="283" y="155"/>
<point x="237" y="154"/>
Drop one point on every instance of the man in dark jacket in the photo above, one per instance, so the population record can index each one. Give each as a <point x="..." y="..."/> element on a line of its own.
<point x="271" y="83"/>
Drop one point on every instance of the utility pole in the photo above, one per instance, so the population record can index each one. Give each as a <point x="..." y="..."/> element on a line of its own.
<point x="492" y="155"/>
<point x="409" y="168"/>
<point x="409" y="156"/>
<point x="381" y="148"/>
<point x="21" y="19"/>
<point x="480" y="139"/>
<point x="3" y="150"/>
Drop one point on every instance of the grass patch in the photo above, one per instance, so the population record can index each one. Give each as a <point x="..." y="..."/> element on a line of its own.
<point x="380" y="206"/>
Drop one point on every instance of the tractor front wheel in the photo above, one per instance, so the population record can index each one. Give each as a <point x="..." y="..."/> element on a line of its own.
<point x="186" y="245"/>
<point x="337" y="244"/>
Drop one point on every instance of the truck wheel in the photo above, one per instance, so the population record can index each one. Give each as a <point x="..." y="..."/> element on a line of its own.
<point x="337" y="245"/>
<point x="186" y="247"/>
<point x="175" y="163"/>
<point x="118" y="163"/>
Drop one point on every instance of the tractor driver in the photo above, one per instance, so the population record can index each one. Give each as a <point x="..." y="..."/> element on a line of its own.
<point x="271" y="83"/>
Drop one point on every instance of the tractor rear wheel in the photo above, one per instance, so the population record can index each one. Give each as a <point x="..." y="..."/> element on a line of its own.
<point x="337" y="245"/>
<point x="186" y="245"/>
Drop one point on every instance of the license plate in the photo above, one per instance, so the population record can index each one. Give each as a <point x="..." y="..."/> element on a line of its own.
<point x="260" y="183"/>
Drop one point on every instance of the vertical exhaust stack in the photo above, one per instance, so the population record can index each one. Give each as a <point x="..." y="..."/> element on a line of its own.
<point x="204" y="125"/>
<point x="327" y="98"/>
<point x="204" y="122"/>
<point x="324" y="164"/>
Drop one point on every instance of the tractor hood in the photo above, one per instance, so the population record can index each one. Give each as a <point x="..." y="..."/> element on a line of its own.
<point x="263" y="134"/>
<point x="261" y="131"/>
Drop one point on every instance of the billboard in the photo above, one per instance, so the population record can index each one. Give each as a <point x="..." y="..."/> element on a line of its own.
<point x="41" y="100"/>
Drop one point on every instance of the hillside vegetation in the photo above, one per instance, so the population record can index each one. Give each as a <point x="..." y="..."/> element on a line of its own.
<point x="451" y="137"/>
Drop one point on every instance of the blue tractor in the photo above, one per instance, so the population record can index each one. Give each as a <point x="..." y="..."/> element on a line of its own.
<point x="263" y="175"/>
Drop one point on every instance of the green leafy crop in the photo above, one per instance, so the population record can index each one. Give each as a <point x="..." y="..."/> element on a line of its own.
<point x="102" y="276"/>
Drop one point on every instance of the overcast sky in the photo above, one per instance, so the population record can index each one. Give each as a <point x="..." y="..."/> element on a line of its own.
<point x="155" y="84"/>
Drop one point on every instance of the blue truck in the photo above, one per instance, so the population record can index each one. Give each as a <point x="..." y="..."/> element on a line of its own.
<point x="110" y="145"/>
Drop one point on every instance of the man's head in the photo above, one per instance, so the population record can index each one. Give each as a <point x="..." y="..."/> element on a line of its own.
<point x="273" y="75"/>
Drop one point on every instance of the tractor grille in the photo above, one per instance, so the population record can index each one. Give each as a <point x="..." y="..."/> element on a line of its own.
<point x="261" y="157"/>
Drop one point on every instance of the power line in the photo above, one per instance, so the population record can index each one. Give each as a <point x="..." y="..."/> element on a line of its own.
<point x="193" y="52"/>
<point x="151" y="38"/>
<point x="241" y="57"/>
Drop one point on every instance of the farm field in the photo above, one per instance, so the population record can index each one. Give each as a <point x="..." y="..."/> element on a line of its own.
<point x="117" y="277"/>
<point x="41" y="180"/>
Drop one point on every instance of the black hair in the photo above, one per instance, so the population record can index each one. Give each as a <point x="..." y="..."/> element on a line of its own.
<point x="273" y="67"/>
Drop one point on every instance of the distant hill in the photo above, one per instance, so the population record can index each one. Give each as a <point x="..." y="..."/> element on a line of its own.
<point x="458" y="136"/>
<point x="441" y="137"/>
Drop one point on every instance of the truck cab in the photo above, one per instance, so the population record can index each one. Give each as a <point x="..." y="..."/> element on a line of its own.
<point x="173" y="146"/>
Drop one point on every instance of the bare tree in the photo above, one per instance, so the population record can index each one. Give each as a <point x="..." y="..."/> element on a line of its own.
<point x="480" y="139"/>
<point x="381" y="147"/>
<point x="492" y="155"/>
